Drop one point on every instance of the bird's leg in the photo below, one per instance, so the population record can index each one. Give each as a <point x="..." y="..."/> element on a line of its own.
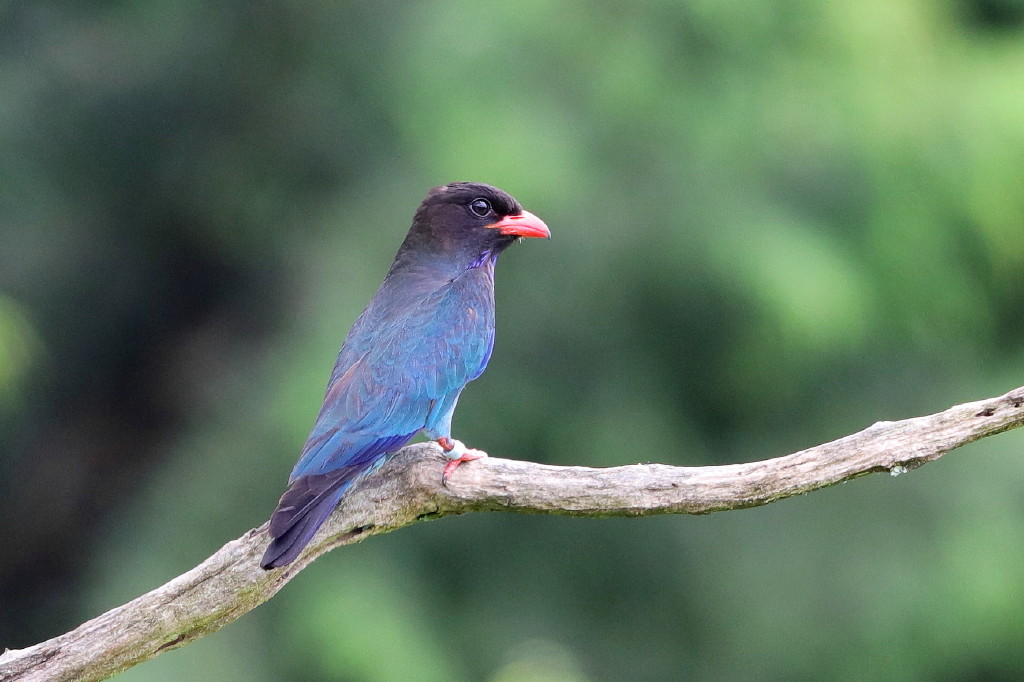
<point x="457" y="453"/>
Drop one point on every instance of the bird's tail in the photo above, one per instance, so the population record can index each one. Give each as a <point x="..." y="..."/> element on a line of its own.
<point x="303" y="508"/>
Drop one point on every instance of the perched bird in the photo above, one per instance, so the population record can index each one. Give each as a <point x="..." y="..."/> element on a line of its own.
<point x="426" y="333"/>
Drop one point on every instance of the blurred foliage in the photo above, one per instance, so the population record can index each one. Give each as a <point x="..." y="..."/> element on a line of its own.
<point x="774" y="224"/>
<point x="18" y="344"/>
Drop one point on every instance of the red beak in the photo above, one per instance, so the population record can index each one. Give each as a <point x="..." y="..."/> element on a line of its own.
<point x="523" y="225"/>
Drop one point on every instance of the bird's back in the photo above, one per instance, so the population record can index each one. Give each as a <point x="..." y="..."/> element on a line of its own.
<point x="405" y="355"/>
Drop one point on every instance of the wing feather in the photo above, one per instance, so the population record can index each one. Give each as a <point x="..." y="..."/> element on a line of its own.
<point x="402" y="357"/>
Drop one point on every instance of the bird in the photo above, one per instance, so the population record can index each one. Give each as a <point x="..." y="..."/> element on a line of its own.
<point x="426" y="333"/>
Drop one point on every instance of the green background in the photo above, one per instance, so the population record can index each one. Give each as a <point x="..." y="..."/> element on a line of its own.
<point x="774" y="224"/>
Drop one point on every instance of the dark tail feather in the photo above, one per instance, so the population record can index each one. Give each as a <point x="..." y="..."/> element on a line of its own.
<point x="302" y="510"/>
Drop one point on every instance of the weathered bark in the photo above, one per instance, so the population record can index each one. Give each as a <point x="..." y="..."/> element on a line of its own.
<point x="408" y="489"/>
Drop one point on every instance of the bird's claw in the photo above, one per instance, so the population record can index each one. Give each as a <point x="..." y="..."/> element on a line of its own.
<point x="457" y="453"/>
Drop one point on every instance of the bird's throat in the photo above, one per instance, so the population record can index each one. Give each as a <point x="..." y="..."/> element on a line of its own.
<point x="488" y="257"/>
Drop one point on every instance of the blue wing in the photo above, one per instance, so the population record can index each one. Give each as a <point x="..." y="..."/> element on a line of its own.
<point x="401" y="369"/>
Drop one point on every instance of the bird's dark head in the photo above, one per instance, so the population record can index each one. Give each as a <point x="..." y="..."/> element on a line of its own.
<point x="469" y="223"/>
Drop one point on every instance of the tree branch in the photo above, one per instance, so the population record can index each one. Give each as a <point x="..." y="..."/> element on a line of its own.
<point x="407" y="489"/>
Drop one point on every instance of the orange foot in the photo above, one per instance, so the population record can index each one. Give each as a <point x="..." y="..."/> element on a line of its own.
<point x="457" y="453"/>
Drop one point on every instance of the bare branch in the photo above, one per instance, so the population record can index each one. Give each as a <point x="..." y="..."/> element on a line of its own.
<point x="408" y="489"/>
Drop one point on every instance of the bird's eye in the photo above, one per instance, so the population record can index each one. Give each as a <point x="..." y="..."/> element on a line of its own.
<point x="480" y="207"/>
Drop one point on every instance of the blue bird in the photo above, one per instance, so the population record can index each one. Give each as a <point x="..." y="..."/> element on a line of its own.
<point x="426" y="333"/>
